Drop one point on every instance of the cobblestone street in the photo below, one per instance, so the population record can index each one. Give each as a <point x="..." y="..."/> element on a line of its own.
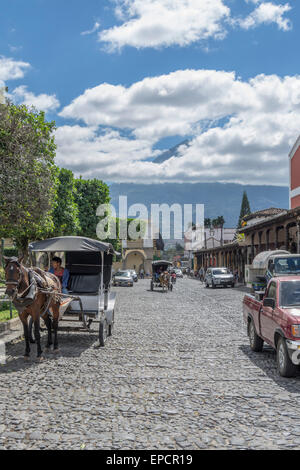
<point x="177" y="373"/>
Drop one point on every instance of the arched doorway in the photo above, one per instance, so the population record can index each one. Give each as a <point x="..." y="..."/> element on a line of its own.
<point x="135" y="259"/>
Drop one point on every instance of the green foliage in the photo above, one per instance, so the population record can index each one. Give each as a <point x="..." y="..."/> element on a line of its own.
<point x="89" y="195"/>
<point x="218" y="222"/>
<point x="5" y="312"/>
<point x="245" y="209"/>
<point x="207" y="222"/>
<point x="65" y="212"/>
<point x="9" y="252"/>
<point x="28" y="173"/>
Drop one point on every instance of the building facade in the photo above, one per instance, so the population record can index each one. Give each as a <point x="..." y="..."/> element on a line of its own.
<point x="294" y="163"/>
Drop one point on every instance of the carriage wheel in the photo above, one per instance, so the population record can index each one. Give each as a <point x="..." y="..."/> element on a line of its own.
<point x="103" y="332"/>
<point x="110" y="327"/>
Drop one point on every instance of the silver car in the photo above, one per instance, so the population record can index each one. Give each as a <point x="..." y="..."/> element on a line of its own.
<point x="178" y="273"/>
<point x="218" y="277"/>
<point x="123" y="278"/>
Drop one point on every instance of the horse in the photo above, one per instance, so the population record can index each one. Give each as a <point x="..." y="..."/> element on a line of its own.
<point x="164" y="280"/>
<point x="26" y="288"/>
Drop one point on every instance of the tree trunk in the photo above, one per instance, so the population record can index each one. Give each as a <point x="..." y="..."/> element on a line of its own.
<point x="22" y="245"/>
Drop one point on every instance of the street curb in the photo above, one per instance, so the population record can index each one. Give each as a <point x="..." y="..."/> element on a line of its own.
<point x="9" y="325"/>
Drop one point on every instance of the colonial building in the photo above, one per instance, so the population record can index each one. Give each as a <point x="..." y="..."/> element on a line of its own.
<point x="277" y="231"/>
<point x="138" y="254"/>
<point x="294" y="162"/>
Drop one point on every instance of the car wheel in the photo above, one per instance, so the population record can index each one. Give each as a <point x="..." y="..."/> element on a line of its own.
<point x="256" y="343"/>
<point x="284" y="365"/>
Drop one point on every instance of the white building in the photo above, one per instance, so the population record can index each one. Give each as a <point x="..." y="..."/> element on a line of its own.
<point x="207" y="238"/>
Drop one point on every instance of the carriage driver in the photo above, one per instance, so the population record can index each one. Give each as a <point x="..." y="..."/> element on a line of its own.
<point x="60" y="272"/>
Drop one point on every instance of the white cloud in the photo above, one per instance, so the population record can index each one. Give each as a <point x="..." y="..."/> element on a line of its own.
<point x="42" y="102"/>
<point x="242" y="130"/>
<point x="91" y="31"/>
<point x="11" y="69"/>
<point x="267" y="13"/>
<point x="163" y="23"/>
<point x="156" y="23"/>
<point x="161" y="106"/>
<point x="89" y="153"/>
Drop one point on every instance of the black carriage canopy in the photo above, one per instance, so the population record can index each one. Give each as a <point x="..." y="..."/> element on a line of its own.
<point x="71" y="244"/>
<point x="156" y="265"/>
<point x="83" y="260"/>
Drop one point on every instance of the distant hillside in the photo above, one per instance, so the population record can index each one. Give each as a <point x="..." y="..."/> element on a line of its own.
<point x="218" y="198"/>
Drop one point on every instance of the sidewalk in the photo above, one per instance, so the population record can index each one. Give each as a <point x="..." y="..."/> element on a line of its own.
<point x="10" y="330"/>
<point x="242" y="288"/>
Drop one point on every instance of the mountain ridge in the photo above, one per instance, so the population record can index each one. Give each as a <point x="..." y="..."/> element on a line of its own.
<point x="218" y="198"/>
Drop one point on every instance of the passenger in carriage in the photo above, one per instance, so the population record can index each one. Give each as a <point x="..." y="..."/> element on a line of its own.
<point x="60" y="272"/>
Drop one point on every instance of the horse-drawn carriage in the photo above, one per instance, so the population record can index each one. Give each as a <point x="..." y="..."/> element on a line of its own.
<point x="37" y="293"/>
<point x="89" y="263"/>
<point x="161" y="275"/>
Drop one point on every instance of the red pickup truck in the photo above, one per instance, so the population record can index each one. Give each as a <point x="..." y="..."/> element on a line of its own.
<point x="275" y="319"/>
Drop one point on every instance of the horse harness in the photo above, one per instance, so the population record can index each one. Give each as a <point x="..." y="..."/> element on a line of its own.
<point x="37" y="284"/>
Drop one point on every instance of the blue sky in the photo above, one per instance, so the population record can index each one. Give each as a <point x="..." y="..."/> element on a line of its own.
<point x="223" y="73"/>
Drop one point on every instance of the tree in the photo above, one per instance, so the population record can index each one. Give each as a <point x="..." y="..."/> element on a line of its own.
<point x="88" y="196"/>
<point x="207" y="223"/>
<point x="245" y="209"/>
<point x="65" y="212"/>
<point x="219" y="223"/>
<point x="27" y="175"/>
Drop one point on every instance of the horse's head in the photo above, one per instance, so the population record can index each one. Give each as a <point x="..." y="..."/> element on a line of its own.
<point x="13" y="275"/>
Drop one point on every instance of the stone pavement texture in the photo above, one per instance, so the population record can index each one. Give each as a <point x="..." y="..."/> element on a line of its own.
<point x="177" y="373"/>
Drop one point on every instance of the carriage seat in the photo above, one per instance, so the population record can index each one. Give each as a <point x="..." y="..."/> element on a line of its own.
<point x="84" y="283"/>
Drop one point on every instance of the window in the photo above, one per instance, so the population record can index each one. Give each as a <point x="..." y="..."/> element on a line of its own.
<point x="290" y="293"/>
<point x="272" y="291"/>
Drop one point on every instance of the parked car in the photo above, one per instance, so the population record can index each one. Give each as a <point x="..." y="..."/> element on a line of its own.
<point x="133" y="275"/>
<point x="218" y="277"/>
<point x="274" y="318"/>
<point x="178" y="272"/>
<point x="122" y="278"/>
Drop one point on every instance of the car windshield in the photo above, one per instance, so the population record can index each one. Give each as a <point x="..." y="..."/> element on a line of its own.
<point x="287" y="265"/>
<point x="290" y="294"/>
<point x="123" y="273"/>
<point x="221" y="271"/>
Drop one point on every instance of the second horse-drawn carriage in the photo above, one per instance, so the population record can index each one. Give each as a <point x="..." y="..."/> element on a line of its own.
<point x="161" y="275"/>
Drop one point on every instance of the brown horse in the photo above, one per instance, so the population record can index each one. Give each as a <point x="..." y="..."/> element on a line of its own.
<point x="164" y="280"/>
<point x="24" y="287"/>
